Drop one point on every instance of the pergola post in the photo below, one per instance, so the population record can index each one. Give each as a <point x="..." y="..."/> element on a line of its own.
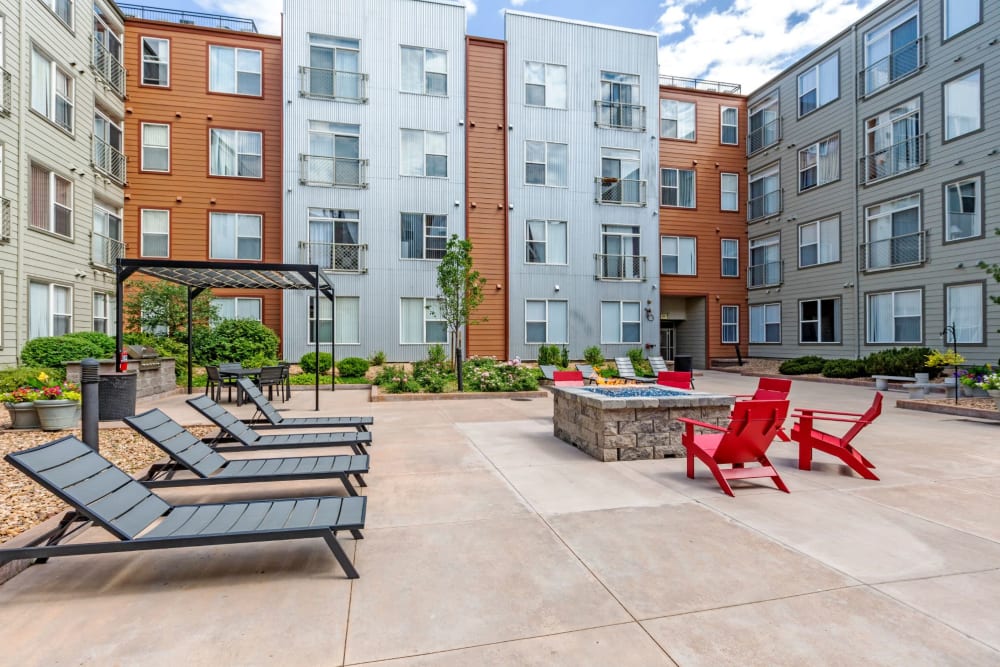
<point x="190" y="317"/>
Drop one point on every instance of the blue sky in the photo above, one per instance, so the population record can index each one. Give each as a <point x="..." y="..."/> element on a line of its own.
<point x="737" y="41"/>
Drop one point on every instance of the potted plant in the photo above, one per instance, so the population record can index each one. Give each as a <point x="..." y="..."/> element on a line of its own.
<point x="971" y="379"/>
<point x="57" y="404"/>
<point x="991" y="383"/>
<point x="938" y="359"/>
<point x="20" y="404"/>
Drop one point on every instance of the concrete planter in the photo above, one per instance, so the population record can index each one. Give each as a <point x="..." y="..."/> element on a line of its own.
<point x="22" y="415"/>
<point x="995" y="395"/>
<point x="57" y="415"/>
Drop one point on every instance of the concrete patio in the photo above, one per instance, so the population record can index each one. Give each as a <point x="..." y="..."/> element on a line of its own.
<point x="491" y="542"/>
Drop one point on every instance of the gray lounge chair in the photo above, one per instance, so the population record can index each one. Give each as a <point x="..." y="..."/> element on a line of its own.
<point x="627" y="371"/>
<point x="658" y="365"/>
<point x="548" y="372"/>
<point x="233" y="429"/>
<point x="273" y="419"/>
<point x="187" y="451"/>
<point x="588" y="372"/>
<point x="103" y="495"/>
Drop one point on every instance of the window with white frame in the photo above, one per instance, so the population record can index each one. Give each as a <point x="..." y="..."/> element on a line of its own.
<point x="104" y="313"/>
<point x="730" y="325"/>
<point x="51" y="90"/>
<point x="621" y="322"/>
<point x="764" y="125"/>
<point x="423" y="235"/>
<point x="237" y="308"/>
<point x="155" y="62"/>
<point x="334" y="154"/>
<point x="678" y="255"/>
<point x="334" y="68"/>
<point x="894" y="235"/>
<point x="51" y="202"/>
<point x="156" y="147"/>
<point x="235" y="236"/>
<point x="730" y="192"/>
<point x="61" y="8"/>
<point x="424" y="153"/>
<point x="619" y="105"/>
<point x="424" y="71"/>
<point x="545" y="163"/>
<point x="677" y="120"/>
<point x="107" y="53"/>
<point x="545" y="321"/>
<point x="819" y="321"/>
<point x="896" y="317"/>
<point x="960" y="15"/>
<point x="765" y="261"/>
<point x="621" y="257"/>
<point x="894" y="142"/>
<point x="819" y="242"/>
<point x="892" y="49"/>
<point x="333" y="239"/>
<point x="729" y="119"/>
<point x="106" y="240"/>
<point x="730" y="258"/>
<point x="155" y="225"/>
<point x="819" y="163"/>
<point x="765" y="193"/>
<point x="237" y="153"/>
<point x="765" y="323"/>
<point x="235" y="71"/>
<point x="963" y="209"/>
<point x="50" y="309"/>
<point x="963" y="104"/>
<point x="420" y="322"/>
<point x="620" y="181"/>
<point x="819" y="85"/>
<point x="964" y="309"/>
<point x="108" y="153"/>
<point x="545" y="242"/>
<point x="346" y="325"/>
<point x="677" y="188"/>
<point x="544" y="85"/>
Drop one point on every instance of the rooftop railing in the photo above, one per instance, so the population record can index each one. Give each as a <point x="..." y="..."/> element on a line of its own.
<point x="187" y="18"/>
<point x="701" y="84"/>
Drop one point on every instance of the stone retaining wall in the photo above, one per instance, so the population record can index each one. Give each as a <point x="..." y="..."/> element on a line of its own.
<point x="151" y="382"/>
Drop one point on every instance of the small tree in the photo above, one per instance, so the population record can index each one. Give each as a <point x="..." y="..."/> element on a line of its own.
<point x="461" y="292"/>
<point x="161" y="307"/>
<point x="993" y="270"/>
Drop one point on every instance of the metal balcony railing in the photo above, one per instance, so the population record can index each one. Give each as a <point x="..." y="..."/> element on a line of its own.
<point x="187" y="18"/>
<point x="620" y="115"/>
<point x="109" y="68"/>
<point x="5" y="95"/>
<point x="765" y="205"/>
<point x="332" y="84"/>
<point x="619" y="267"/>
<point x="904" y="60"/>
<point x="901" y="157"/>
<point x="768" y="274"/>
<point x="340" y="257"/>
<point x="109" y="160"/>
<point x="4" y="220"/>
<point x="700" y="84"/>
<point x="894" y="252"/>
<point x="766" y="135"/>
<point x="105" y="251"/>
<point x="332" y="172"/>
<point x="620" y="191"/>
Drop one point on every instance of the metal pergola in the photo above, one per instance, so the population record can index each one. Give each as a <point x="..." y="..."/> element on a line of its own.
<point x="199" y="276"/>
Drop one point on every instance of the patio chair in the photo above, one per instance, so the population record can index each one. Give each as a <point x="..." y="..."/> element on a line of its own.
<point x="658" y="365"/>
<point x="216" y="382"/>
<point x="771" y="389"/>
<point x="675" y="379"/>
<point x="187" y="451"/>
<point x="273" y="419"/>
<point x="568" y="378"/>
<point x="271" y="377"/>
<point x="548" y="371"/>
<point x="233" y="429"/>
<point x="627" y="371"/>
<point x="745" y="440"/>
<point x="103" y="495"/>
<point x="809" y="438"/>
<point x="588" y="372"/>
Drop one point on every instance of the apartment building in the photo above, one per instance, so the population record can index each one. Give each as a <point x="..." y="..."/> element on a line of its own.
<point x="10" y="178"/>
<point x="872" y="162"/>
<point x="703" y="230"/>
<point x="203" y="140"/>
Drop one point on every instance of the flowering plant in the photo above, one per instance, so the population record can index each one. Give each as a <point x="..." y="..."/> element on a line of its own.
<point x="975" y="375"/>
<point x="990" y="382"/>
<point x="20" y="395"/>
<point x="51" y="391"/>
<point x="947" y="358"/>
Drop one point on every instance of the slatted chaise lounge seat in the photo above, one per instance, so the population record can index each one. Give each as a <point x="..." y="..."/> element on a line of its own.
<point x="273" y="419"/>
<point x="103" y="495"/>
<point x="627" y="371"/>
<point x="188" y="452"/>
<point x="250" y="440"/>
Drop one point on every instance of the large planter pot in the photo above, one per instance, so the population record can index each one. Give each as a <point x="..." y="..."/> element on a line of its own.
<point x="22" y="415"/>
<point x="56" y="415"/>
<point x="995" y="395"/>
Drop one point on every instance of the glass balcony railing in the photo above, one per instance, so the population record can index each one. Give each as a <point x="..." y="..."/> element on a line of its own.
<point x="333" y="172"/>
<point x="620" y="115"/>
<point x="333" y="84"/>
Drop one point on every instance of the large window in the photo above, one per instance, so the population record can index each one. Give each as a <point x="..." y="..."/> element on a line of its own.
<point x="960" y="15"/>
<point x="619" y="105"/>
<point x="63" y="9"/>
<point x="155" y="62"/>
<point x="545" y="163"/>
<point x="730" y="192"/>
<point x="819" y="85"/>
<point x="620" y="182"/>
<point x="235" y="71"/>
<point x="819" y="163"/>
<point x="104" y="313"/>
<point x="895" y="317"/>
<point x="765" y="125"/>
<point x="333" y="239"/>
<point x="334" y="154"/>
<point x="106" y="240"/>
<point x="893" y="142"/>
<point x="892" y="50"/>
<point x="347" y="322"/>
<point x="155" y="147"/>
<point x="333" y="70"/>
<point x="730" y="258"/>
<point x="236" y="153"/>
<point x="730" y="325"/>
<point x="729" y="120"/>
<point x="964" y="309"/>
<point x="237" y="308"/>
<point x="423" y="236"/>
<point x="621" y="322"/>
<point x="894" y="234"/>
<point x="420" y="322"/>
<point x="678" y="255"/>
<point x="765" y="323"/>
<point x="155" y="232"/>
<point x="544" y="85"/>
<point x="424" y="71"/>
<point x="620" y="258"/>
<point x="51" y="90"/>
<point x="677" y="188"/>
<point x="108" y="155"/>
<point x="424" y="153"/>
<point x="963" y="104"/>
<point x="765" y="193"/>
<point x="963" y="209"/>
<point x="235" y="236"/>
<point x="545" y="321"/>
<point x="677" y="120"/>
<point x="819" y="242"/>
<point x="50" y="309"/>
<point x="545" y="242"/>
<point x="819" y="321"/>
<point x="51" y="202"/>
<point x="765" y="261"/>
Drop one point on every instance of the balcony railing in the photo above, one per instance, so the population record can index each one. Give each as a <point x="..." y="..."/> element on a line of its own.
<point x="109" y="68"/>
<point x="332" y="84"/>
<point x="894" y="252"/>
<point x="105" y="251"/>
<point x="620" y="115"/>
<point x="332" y="172"/>
<point x="5" y="96"/>
<point x="904" y="60"/>
<point x="901" y="157"/>
<point x="620" y="191"/>
<point x="4" y="220"/>
<point x="340" y="257"/>
<point x="765" y="275"/>
<point x="109" y="160"/>
<point x="619" y="267"/>
<point x="187" y="18"/>
<point x="766" y="135"/>
<point x="764" y="206"/>
<point x="700" y="84"/>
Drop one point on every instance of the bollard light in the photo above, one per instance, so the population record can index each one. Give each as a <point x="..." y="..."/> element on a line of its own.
<point x="90" y="389"/>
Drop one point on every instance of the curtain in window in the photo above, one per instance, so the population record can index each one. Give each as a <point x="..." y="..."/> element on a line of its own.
<point x="250" y="149"/>
<point x="555" y="172"/>
<point x="686" y="193"/>
<point x="39" y="314"/>
<point x="686" y="257"/>
<point x="40" y="206"/>
<point x="907" y="314"/>
<point x="223" y="235"/>
<point x="829" y="241"/>
<point x="411" y="325"/>
<point x="558" y="327"/>
<point x="412" y="236"/>
<point x="556" y="245"/>
<point x="412" y="153"/>
<point x="965" y="311"/>
<point x="347" y="321"/>
<point x="757" y="331"/>
<point x="610" y="322"/>
<point x="248" y="235"/>
<point x="221" y="69"/>
<point x="41" y="84"/>
<point x="412" y="70"/>
<point x="829" y="160"/>
<point x="223" y="153"/>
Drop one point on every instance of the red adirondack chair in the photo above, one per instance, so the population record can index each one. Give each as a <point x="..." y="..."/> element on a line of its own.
<point x="745" y="440"/>
<point x="771" y="389"/>
<point x="675" y="379"/>
<point x="567" y="379"/>
<point x="840" y="446"/>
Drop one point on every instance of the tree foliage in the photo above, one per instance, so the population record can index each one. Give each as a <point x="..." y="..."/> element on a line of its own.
<point x="460" y="287"/>
<point x="158" y="306"/>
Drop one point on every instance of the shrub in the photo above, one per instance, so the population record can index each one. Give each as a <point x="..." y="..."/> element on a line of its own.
<point x="54" y="351"/>
<point x="395" y="380"/>
<point x="352" y="367"/>
<point x="549" y="355"/>
<point x="639" y="363"/>
<point x="488" y="374"/>
<point x="308" y="362"/>
<point x="593" y="355"/>
<point x="102" y="340"/>
<point x="808" y="365"/>
<point x="436" y="355"/>
<point x="564" y="358"/>
<point x="12" y="378"/>
<point x="242" y="341"/>
<point x="844" y="368"/>
<point x="899" y="361"/>
<point x="609" y="372"/>
<point x="378" y="359"/>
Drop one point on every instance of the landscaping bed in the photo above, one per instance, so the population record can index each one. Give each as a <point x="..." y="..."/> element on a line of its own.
<point x="979" y="408"/>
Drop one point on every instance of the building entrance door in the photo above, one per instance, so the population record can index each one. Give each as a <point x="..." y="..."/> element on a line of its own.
<point x="668" y="341"/>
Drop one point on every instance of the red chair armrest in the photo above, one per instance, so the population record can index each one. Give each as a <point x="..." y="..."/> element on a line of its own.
<point x="695" y="422"/>
<point x="834" y="419"/>
<point x="828" y="412"/>
<point x="742" y="395"/>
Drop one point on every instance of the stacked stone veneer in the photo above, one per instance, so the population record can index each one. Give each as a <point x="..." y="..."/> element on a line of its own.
<point x="151" y="382"/>
<point x="626" y="429"/>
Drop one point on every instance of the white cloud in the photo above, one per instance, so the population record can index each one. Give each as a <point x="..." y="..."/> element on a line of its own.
<point x="470" y="7"/>
<point x="518" y="3"/>
<point x="266" y="13"/>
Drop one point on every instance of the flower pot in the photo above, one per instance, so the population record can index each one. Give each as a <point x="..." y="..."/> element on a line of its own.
<point x="57" y="415"/>
<point x="922" y="378"/>
<point x="967" y="391"/>
<point x="22" y="415"/>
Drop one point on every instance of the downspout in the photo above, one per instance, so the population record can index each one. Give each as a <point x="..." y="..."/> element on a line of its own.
<point x="858" y="316"/>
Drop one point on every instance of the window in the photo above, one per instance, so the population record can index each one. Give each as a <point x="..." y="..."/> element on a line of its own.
<point x="730" y="325"/>
<point x="545" y="163"/>
<point x="964" y="309"/>
<point x="819" y="321"/>
<point x="677" y="120"/>
<point x="423" y="236"/>
<point x="620" y="322"/>
<point x="104" y="313"/>
<point x="347" y="321"/>
<point x="620" y="258"/>
<point x="424" y="71"/>
<point x="108" y="155"/>
<point x="106" y="240"/>
<point x="960" y="15"/>
<point x="237" y="308"/>
<point x="424" y="153"/>
<point x="420" y="322"/>
<point x="677" y="188"/>
<point x="155" y="62"/>
<point x="963" y="209"/>
<point x="334" y="150"/>
<point x="892" y="50"/>
<point x="963" y="104"/>
<point x="107" y="52"/>
<point x="765" y="323"/>
<point x="619" y="105"/>
<point x="765" y="125"/>
<point x="730" y="186"/>
<point x="155" y="147"/>
<point x="51" y="202"/>
<point x="678" y="255"/>
<point x="545" y="242"/>
<point x="234" y="71"/>
<point x="894" y="234"/>
<point x="729" y="131"/>
<point x="334" y="68"/>
<point x="236" y="153"/>
<point x="765" y="193"/>
<point x="620" y="182"/>
<point x="893" y="142"/>
<point x="333" y="239"/>
<point x="819" y="163"/>
<point x="545" y="322"/>
<point x="730" y="258"/>
<point x="51" y="90"/>
<point x="155" y="233"/>
<point x="819" y="85"/>
<point x="63" y="9"/>
<point x="235" y="236"/>
<point x="50" y="309"/>
<point x="819" y="242"/>
<point x="544" y="85"/>
<point x="765" y="261"/>
<point x="896" y="317"/>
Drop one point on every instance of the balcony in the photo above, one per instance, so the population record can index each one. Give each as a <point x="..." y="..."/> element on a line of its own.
<point x="332" y="172"/>
<point x="335" y="257"/>
<point x="764" y="206"/>
<point x="109" y="68"/>
<point x="187" y="18"/>
<point x="620" y="191"/>
<point x="764" y="136"/>
<point x="5" y="96"/>
<point x="894" y="252"/>
<point x="620" y="267"/>
<point x="619" y="115"/>
<point x="4" y="220"/>
<point x="903" y="61"/>
<point x="332" y="84"/>
<point x="903" y="156"/>
<point x="105" y="251"/>
<point x="768" y="274"/>
<point x="109" y="160"/>
<point x="700" y="84"/>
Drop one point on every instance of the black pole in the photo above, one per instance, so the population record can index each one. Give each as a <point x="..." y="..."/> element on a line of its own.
<point x="458" y="359"/>
<point x="333" y="340"/>
<point x="90" y="391"/>
<point x="119" y="325"/>
<point x="316" y="341"/>
<point x="954" y="342"/>
<point x="190" y="340"/>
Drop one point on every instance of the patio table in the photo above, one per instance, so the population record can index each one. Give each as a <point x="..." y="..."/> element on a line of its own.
<point x="238" y="373"/>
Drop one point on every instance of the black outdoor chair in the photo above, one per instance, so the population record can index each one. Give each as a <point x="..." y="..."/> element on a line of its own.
<point x="271" y="377"/>
<point x="216" y="382"/>
<point x="273" y="419"/>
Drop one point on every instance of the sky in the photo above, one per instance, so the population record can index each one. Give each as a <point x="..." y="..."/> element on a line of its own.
<point x="735" y="41"/>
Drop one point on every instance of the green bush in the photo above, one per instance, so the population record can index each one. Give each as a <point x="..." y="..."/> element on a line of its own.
<point x="308" y="362"/>
<point x="395" y="380"/>
<point x="900" y="361"/>
<point x="352" y="367"/>
<point x="564" y="358"/>
<point x="593" y="355"/>
<point x="102" y="340"/>
<point x="844" y="368"/>
<point x="809" y="365"/>
<point x="640" y="363"/>
<point x="488" y="374"/>
<point x="12" y="378"/>
<point x="549" y="355"/>
<point x="239" y="341"/>
<point x="609" y="372"/>
<point x="378" y="358"/>
<point x="54" y="351"/>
